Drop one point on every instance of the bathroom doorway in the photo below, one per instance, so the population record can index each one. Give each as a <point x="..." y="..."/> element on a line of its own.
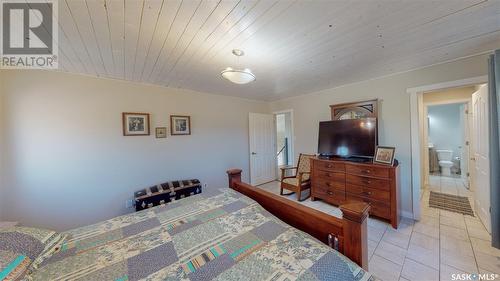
<point x="448" y="140"/>
<point x="454" y="151"/>
<point x="446" y="136"/>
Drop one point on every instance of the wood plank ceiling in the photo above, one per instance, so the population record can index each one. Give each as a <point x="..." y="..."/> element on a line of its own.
<point x="293" y="47"/>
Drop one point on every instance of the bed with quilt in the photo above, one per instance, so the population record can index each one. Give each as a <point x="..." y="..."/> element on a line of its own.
<point x="218" y="235"/>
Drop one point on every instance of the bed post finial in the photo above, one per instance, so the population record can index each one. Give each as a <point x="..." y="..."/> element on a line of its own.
<point x="234" y="177"/>
<point x="355" y="215"/>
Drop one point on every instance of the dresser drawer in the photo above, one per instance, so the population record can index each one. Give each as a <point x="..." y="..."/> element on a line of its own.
<point x="324" y="185"/>
<point x="376" y="208"/>
<point x="329" y="166"/>
<point x="363" y="170"/>
<point x="329" y="175"/>
<point x="381" y="184"/>
<point x="330" y="180"/>
<point x="329" y="195"/>
<point x="367" y="192"/>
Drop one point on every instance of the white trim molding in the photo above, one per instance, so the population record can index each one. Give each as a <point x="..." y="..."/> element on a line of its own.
<point x="406" y="214"/>
<point x="416" y="111"/>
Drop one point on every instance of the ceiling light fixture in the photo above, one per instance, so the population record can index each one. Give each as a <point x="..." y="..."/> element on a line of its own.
<point x="238" y="76"/>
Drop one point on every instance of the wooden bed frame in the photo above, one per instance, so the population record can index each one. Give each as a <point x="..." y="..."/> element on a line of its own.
<point x="347" y="235"/>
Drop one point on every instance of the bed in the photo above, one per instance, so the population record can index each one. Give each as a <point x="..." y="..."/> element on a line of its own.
<point x="236" y="233"/>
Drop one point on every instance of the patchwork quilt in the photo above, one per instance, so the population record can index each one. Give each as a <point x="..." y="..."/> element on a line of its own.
<point x="217" y="235"/>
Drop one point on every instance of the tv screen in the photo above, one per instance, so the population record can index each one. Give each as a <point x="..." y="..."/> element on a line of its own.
<point x="348" y="138"/>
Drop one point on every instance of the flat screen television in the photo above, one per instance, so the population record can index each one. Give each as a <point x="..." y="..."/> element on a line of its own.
<point x="353" y="138"/>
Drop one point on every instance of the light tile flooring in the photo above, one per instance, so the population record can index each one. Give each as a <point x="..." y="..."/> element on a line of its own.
<point x="442" y="243"/>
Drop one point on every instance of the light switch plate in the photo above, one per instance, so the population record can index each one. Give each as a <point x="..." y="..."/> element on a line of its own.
<point x="129" y="203"/>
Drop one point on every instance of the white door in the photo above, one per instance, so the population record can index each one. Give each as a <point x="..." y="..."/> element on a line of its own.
<point x="465" y="148"/>
<point x="480" y="151"/>
<point x="262" y="148"/>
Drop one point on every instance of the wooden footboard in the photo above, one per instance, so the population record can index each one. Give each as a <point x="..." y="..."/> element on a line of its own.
<point x="347" y="235"/>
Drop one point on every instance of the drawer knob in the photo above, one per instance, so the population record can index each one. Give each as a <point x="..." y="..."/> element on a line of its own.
<point x="367" y="193"/>
<point x="328" y="184"/>
<point x="366" y="171"/>
<point x="367" y="181"/>
<point x="328" y="166"/>
<point x="330" y="192"/>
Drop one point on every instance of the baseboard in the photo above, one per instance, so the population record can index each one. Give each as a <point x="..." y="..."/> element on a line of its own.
<point x="406" y="214"/>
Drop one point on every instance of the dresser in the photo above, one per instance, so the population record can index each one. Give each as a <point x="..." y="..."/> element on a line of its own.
<point x="338" y="181"/>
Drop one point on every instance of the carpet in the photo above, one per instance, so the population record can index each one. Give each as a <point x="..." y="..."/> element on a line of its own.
<point x="452" y="203"/>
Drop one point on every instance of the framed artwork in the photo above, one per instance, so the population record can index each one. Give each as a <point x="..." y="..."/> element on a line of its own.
<point x="161" y="132"/>
<point x="135" y="124"/>
<point x="354" y="110"/>
<point x="180" y="125"/>
<point x="384" y="155"/>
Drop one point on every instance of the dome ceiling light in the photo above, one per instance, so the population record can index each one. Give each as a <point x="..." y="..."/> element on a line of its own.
<point x="238" y="76"/>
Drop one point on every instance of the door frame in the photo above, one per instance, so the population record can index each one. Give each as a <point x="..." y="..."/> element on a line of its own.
<point x="292" y="133"/>
<point x="416" y="127"/>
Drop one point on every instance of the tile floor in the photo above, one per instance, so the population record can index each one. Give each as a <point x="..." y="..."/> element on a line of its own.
<point x="442" y="243"/>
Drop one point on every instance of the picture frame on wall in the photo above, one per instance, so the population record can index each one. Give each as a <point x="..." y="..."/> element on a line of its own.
<point x="161" y="132"/>
<point x="384" y="155"/>
<point x="180" y="125"/>
<point x="135" y="124"/>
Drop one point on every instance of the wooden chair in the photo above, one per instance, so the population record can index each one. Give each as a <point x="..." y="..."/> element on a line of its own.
<point x="301" y="180"/>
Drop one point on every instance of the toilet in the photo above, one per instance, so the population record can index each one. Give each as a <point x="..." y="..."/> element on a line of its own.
<point x="445" y="163"/>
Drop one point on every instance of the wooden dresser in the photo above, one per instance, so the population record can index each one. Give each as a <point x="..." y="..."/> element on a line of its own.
<point x="338" y="181"/>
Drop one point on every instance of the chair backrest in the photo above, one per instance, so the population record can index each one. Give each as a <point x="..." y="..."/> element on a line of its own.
<point x="304" y="164"/>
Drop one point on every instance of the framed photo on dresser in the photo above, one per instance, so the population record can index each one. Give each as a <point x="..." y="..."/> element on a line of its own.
<point x="384" y="155"/>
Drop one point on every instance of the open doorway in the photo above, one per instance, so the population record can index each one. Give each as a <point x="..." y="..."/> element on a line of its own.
<point x="453" y="148"/>
<point x="447" y="141"/>
<point x="284" y="139"/>
<point x="446" y="135"/>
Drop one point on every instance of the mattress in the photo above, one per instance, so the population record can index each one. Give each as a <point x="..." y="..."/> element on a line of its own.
<point x="218" y="235"/>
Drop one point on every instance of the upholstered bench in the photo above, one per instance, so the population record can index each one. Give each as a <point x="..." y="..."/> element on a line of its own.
<point x="166" y="192"/>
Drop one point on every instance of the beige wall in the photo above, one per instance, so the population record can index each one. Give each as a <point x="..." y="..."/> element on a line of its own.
<point x="394" y="109"/>
<point x="69" y="165"/>
<point x="450" y="95"/>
